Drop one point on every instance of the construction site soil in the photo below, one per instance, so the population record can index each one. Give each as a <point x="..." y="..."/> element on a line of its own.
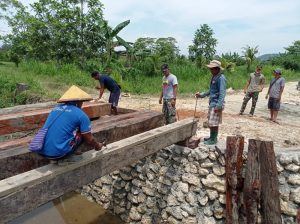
<point x="286" y="134"/>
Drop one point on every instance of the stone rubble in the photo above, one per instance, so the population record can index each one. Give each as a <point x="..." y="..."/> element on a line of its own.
<point x="182" y="185"/>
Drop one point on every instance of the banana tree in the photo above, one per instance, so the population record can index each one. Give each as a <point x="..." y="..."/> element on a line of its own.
<point x="110" y="35"/>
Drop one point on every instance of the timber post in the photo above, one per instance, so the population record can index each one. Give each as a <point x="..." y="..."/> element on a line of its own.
<point x="234" y="182"/>
<point x="260" y="188"/>
<point x="270" y="204"/>
<point x="252" y="182"/>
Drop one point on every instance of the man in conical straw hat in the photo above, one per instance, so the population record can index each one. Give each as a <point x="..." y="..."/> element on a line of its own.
<point x="68" y="126"/>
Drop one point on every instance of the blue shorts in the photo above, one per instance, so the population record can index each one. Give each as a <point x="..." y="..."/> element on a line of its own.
<point x="273" y="104"/>
<point x="114" y="98"/>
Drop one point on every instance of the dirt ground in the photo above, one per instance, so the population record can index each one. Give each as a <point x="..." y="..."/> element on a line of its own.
<point x="284" y="135"/>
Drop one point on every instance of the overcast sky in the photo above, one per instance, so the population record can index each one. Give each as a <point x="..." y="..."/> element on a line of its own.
<point x="269" y="24"/>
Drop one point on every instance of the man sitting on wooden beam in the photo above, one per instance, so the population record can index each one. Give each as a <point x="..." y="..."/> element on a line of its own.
<point x="68" y="127"/>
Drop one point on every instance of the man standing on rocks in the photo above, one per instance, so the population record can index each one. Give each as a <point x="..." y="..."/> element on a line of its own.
<point x="216" y="93"/>
<point x="168" y="94"/>
<point x="254" y="85"/>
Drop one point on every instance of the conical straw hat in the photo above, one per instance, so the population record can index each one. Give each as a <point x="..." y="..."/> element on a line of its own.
<point x="74" y="94"/>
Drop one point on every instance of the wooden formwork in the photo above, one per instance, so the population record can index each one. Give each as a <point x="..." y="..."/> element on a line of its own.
<point x="15" y="158"/>
<point x="22" y="193"/>
<point x="28" y="120"/>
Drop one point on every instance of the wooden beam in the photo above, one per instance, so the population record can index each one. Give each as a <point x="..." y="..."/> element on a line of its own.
<point x="270" y="204"/>
<point x="24" y="192"/>
<point x="15" y="143"/>
<point x="19" y="159"/>
<point x="25" y="140"/>
<point x="252" y="182"/>
<point x="234" y="182"/>
<point x="27" y="107"/>
<point x="15" y="122"/>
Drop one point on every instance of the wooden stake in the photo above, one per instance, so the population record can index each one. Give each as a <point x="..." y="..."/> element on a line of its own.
<point x="234" y="182"/>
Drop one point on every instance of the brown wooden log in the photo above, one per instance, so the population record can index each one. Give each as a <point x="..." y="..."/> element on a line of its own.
<point x="234" y="182"/>
<point x="191" y="142"/>
<point x="105" y="120"/>
<point x="28" y="120"/>
<point x="14" y="143"/>
<point x="10" y="144"/>
<point x="252" y="182"/>
<point x="270" y="204"/>
<point x="24" y="192"/>
<point x="27" y="107"/>
<point x="19" y="159"/>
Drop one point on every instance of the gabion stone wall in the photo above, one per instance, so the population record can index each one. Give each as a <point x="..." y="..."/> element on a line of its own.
<point x="182" y="185"/>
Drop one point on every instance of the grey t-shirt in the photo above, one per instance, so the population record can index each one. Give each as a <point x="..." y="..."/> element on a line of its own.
<point x="275" y="88"/>
<point x="255" y="82"/>
<point x="167" y="85"/>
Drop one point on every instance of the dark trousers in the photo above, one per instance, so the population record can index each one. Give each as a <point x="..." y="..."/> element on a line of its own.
<point x="247" y="97"/>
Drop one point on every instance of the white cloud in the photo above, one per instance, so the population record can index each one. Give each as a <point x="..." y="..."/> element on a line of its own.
<point x="235" y="23"/>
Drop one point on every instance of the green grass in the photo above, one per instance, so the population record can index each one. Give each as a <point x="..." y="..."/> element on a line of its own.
<point x="48" y="81"/>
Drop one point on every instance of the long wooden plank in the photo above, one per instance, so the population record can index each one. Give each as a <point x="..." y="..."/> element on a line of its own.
<point x="27" y="107"/>
<point x="15" y="122"/>
<point x="24" y="192"/>
<point x="126" y="114"/>
<point x="23" y="142"/>
<point x="19" y="159"/>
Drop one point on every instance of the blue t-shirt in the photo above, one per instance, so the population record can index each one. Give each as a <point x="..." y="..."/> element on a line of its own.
<point x="109" y="83"/>
<point x="63" y="129"/>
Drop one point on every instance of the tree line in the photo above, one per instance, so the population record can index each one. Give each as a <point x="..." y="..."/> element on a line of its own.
<point x="75" y="31"/>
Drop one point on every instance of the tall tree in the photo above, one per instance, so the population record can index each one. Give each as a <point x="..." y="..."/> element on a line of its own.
<point x="249" y="54"/>
<point x="203" y="47"/>
<point x="58" y="30"/>
<point x="166" y="48"/>
<point x="144" y="46"/>
<point x="294" y="49"/>
<point x="5" y="4"/>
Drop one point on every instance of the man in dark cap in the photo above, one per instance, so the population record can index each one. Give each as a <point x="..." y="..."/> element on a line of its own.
<point x="168" y="94"/>
<point x="106" y="82"/>
<point x="275" y="92"/>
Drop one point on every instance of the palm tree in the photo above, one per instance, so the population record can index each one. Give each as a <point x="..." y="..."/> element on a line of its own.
<point x="249" y="54"/>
